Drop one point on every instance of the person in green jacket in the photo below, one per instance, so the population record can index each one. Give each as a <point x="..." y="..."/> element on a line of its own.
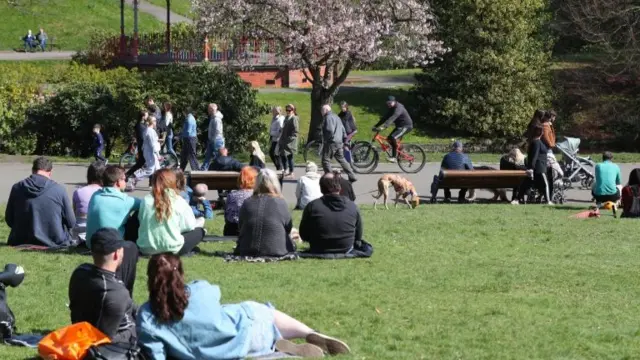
<point x="606" y="187"/>
<point x="167" y="222"/>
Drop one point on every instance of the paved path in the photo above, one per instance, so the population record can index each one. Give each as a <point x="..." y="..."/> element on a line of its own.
<point x="159" y="12"/>
<point x="73" y="175"/>
<point x="30" y="56"/>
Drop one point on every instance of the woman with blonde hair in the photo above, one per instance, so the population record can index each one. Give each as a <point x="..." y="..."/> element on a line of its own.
<point x="288" y="143"/>
<point x="235" y="199"/>
<point x="274" y="133"/>
<point x="257" y="156"/>
<point x="167" y="223"/>
<point x="264" y="221"/>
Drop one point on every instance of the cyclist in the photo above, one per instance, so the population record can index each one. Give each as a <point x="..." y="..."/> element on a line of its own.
<point x="398" y="116"/>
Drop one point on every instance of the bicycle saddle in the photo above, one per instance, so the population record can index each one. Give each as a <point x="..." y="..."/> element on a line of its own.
<point x="12" y="275"/>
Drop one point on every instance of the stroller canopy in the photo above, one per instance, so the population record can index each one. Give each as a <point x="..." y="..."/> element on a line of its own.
<point x="570" y="145"/>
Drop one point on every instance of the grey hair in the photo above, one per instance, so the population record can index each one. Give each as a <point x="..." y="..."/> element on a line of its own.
<point x="326" y="107"/>
<point x="278" y="109"/>
<point x="268" y="183"/>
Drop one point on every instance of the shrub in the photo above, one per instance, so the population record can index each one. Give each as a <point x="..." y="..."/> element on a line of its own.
<point x="197" y="86"/>
<point x="497" y="72"/>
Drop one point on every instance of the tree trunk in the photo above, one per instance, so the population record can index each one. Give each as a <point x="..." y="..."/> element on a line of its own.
<point x="319" y="97"/>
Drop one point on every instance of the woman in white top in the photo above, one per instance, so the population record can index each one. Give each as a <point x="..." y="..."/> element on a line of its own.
<point x="308" y="188"/>
<point x="168" y="123"/>
<point x="274" y="133"/>
<point x="151" y="154"/>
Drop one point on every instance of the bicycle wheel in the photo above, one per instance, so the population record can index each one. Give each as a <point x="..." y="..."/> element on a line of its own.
<point x="313" y="152"/>
<point x="169" y="161"/>
<point x="365" y="158"/>
<point x="127" y="160"/>
<point x="412" y="158"/>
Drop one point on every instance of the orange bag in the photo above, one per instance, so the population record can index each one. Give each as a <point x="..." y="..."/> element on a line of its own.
<point x="71" y="342"/>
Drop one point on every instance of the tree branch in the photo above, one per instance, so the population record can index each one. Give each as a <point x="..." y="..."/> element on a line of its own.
<point x="343" y="76"/>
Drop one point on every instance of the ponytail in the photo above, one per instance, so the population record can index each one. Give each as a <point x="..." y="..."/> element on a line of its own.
<point x="167" y="291"/>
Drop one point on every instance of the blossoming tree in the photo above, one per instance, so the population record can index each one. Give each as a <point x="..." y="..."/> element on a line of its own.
<point x="328" y="38"/>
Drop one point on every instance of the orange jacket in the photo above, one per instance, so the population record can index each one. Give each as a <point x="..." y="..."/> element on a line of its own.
<point x="548" y="135"/>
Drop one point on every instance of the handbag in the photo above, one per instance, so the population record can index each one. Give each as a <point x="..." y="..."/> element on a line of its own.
<point x="114" y="351"/>
<point x="71" y="342"/>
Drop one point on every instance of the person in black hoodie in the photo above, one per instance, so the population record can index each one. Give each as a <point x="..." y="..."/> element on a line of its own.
<point x="536" y="166"/>
<point x="332" y="223"/>
<point x="39" y="212"/>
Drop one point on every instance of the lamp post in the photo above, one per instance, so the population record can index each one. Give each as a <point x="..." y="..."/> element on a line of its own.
<point x="135" y="30"/>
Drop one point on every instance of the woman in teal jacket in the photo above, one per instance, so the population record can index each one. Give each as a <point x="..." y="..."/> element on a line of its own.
<point x="187" y="321"/>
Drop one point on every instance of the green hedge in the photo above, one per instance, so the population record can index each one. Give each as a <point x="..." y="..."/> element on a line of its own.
<point x="51" y="111"/>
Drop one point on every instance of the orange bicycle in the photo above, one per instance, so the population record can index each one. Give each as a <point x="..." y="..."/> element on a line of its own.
<point x="411" y="158"/>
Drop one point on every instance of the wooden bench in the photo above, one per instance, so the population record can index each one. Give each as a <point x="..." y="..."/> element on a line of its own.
<point x="478" y="179"/>
<point x="215" y="180"/>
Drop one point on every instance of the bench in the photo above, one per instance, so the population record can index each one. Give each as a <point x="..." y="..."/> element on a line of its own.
<point x="478" y="179"/>
<point x="215" y="180"/>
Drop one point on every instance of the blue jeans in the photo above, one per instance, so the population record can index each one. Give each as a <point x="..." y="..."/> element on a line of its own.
<point x="212" y="152"/>
<point x="168" y="143"/>
<point x="43" y="44"/>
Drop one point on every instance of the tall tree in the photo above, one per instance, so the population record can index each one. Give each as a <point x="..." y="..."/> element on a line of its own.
<point x="497" y="72"/>
<point x="328" y="38"/>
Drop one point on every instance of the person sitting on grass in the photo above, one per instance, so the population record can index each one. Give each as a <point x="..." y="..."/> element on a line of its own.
<point x="308" y="188"/>
<point x="456" y="160"/>
<point x="200" y="205"/>
<point x="224" y="162"/>
<point x="187" y="321"/>
<point x="607" y="180"/>
<point x="167" y="223"/>
<point x="264" y="220"/>
<point x="39" y="211"/>
<point x="235" y="199"/>
<point x="332" y="223"/>
<point x="82" y="197"/>
<point x="96" y="294"/>
<point x="110" y="207"/>
<point x="257" y="156"/>
<point x="631" y="196"/>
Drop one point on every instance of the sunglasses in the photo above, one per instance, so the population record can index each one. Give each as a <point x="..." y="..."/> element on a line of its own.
<point x="289" y="109"/>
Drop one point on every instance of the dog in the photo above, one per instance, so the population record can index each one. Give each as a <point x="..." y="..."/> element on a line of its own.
<point x="497" y="193"/>
<point x="403" y="187"/>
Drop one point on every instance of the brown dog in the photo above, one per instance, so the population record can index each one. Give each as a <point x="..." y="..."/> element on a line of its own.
<point x="403" y="188"/>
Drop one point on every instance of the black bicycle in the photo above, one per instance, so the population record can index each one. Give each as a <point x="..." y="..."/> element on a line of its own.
<point x="361" y="164"/>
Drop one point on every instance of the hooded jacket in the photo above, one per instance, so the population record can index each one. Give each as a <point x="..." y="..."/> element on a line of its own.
<point x="39" y="212"/>
<point x="331" y="224"/>
<point x="215" y="127"/>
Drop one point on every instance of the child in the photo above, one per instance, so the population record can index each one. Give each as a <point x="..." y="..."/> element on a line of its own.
<point x="98" y="144"/>
<point x="200" y="205"/>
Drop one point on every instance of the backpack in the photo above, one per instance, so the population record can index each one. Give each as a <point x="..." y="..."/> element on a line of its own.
<point x="117" y="351"/>
<point x="7" y="319"/>
<point x="635" y="204"/>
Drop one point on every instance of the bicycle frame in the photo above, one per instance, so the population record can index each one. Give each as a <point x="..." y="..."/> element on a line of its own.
<point x="385" y="146"/>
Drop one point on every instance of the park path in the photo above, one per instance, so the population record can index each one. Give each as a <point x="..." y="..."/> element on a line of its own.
<point x="159" y="12"/>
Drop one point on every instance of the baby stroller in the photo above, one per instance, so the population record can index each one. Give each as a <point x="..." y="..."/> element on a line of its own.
<point x="576" y="168"/>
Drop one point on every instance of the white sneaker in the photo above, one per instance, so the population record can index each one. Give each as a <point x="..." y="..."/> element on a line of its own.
<point x="392" y="159"/>
<point x="550" y="203"/>
<point x="515" y="202"/>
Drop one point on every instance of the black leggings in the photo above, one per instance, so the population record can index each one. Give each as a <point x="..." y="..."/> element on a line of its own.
<point x="396" y="135"/>
<point x="274" y="157"/>
<point x="137" y="166"/>
<point x="191" y="240"/>
<point x="541" y="184"/>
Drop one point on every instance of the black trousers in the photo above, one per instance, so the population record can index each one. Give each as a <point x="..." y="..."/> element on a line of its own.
<point x="188" y="154"/>
<point x="541" y="184"/>
<point x="604" y="198"/>
<point x="461" y="194"/>
<point x="275" y="158"/>
<point x="191" y="240"/>
<point x="137" y="166"/>
<point x="230" y="229"/>
<point x="126" y="272"/>
<point x="393" y="138"/>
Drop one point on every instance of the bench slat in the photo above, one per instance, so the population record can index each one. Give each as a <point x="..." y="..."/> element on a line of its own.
<point x="481" y="179"/>
<point x="215" y="180"/>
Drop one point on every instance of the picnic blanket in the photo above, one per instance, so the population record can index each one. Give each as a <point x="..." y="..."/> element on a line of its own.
<point x="230" y="257"/>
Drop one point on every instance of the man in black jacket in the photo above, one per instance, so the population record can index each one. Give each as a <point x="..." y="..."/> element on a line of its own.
<point x="39" y="212"/>
<point x="95" y="293"/>
<point x="398" y="116"/>
<point x="332" y="223"/>
<point x="224" y="162"/>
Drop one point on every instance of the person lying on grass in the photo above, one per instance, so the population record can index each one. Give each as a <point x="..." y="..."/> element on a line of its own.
<point x="187" y="321"/>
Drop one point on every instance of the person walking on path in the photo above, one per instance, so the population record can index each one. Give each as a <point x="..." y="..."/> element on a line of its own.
<point x="139" y="131"/>
<point x="215" y="135"/>
<point x="288" y="142"/>
<point x="98" y="144"/>
<point x="274" y="132"/>
<point x="333" y="135"/>
<point x="189" y="143"/>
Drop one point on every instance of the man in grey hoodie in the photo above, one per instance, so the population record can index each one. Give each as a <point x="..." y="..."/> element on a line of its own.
<point x="39" y="211"/>
<point x="215" y="135"/>
<point x="333" y="135"/>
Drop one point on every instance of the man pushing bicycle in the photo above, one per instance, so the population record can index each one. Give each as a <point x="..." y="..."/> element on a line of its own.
<point x="398" y="116"/>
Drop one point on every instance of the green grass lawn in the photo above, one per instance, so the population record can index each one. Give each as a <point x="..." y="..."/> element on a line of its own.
<point x="394" y="72"/>
<point x="445" y="282"/>
<point x="70" y="21"/>
<point x="182" y="7"/>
